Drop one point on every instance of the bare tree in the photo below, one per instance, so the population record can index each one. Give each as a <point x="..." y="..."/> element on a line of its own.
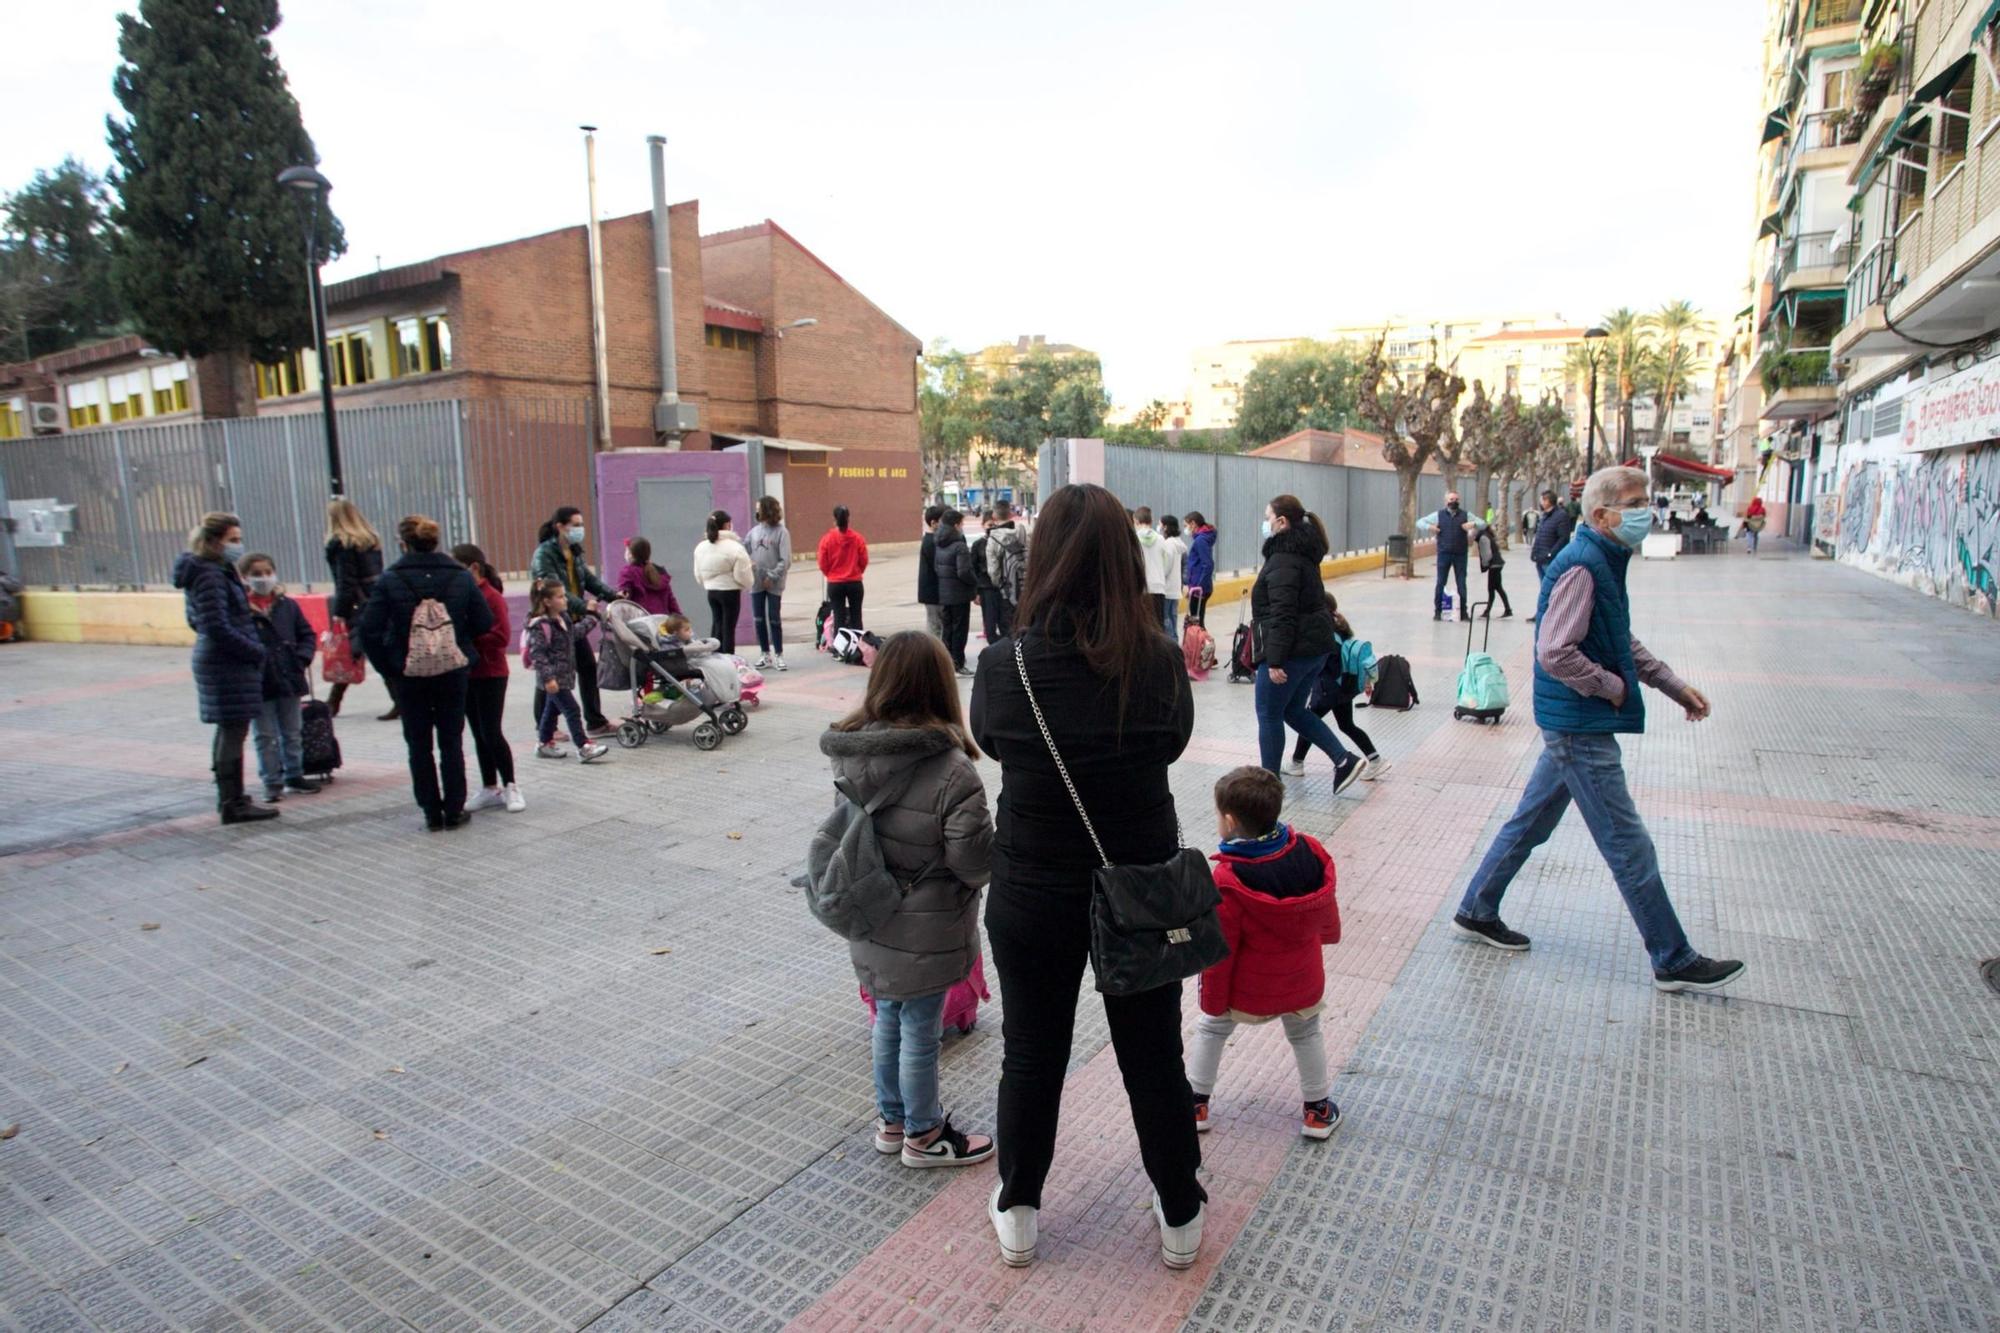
<point x="1481" y="446"/>
<point x="1411" y="418"/>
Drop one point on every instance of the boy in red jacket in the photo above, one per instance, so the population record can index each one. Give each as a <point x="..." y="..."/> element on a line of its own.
<point x="1277" y="911"/>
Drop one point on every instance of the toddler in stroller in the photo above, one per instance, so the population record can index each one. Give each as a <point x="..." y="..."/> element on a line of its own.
<point x="673" y="678"/>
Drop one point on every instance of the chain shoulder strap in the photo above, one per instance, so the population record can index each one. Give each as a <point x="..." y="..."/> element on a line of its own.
<point x="1021" y="665"/>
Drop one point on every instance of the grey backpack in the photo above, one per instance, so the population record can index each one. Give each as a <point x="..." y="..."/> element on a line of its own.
<point x="848" y="885"/>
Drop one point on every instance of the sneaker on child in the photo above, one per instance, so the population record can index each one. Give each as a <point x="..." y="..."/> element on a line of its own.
<point x="551" y="751"/>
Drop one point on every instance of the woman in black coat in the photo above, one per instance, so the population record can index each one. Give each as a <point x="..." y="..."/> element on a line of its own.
<point x="228" y="656"/>
<point x="1292" y="634"/>
<point x="1115" y="693"/>
<point x="354" y="555"/>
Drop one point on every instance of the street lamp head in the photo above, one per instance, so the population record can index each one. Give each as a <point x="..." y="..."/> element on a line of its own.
<point x="1596" y="331"/>
<point x="808" y="322"/>
<point x="306" y="180"/>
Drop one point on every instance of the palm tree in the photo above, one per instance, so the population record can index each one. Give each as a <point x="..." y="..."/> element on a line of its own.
<point x="1625" y="351"/>
<point x="1674" y="325"/>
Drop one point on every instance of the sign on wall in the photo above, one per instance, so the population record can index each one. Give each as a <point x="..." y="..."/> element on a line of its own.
<point x="1957" y="410"/>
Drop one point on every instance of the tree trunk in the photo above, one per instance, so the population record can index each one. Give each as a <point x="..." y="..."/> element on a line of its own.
<point x="1507" y="514"/>
<point x="1406" y="498"/>
<point x="1450" y="471"/>
<point x="1482" y="485"/>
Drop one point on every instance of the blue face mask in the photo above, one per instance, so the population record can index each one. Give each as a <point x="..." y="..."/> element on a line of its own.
<point x="576" y="535"/>
<point x="1265" y="529"/>
<point x="1633" y="525"/>
<point x="232" y="551"/>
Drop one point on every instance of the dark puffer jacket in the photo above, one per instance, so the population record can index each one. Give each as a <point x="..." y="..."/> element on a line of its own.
<point x="355" y="570"/>
<point x="957" y="585"/>
<point x="385" y="621"/>
<point x="933" y="830"/>
<point x="289" y="645"/>
<point x="1288" y="601"/>
<point x="228" y="656"/>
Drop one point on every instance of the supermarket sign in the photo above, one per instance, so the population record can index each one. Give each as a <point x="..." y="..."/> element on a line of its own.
<point x="1957" y="410"/>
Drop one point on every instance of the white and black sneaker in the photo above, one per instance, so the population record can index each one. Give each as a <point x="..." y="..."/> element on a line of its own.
<point x="948" y="1147"/>
<point x="1347" y="774"/>
<point x="1703" y="974"/>
<point x="1490" y="932"/>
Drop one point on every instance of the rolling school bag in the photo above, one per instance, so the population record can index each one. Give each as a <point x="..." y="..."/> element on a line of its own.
<point x="1242" y="649"/>
<point x="1394" y="687"/>
<point x="1482" y="685"/>
<point x="1197" y="650"/>
<point x="319" y="746"/>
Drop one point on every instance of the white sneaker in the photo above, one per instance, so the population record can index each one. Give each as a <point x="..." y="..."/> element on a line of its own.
<point x="551" y="751"/>
<point x="1296" y="767"/>
<point x="1377" y="766"/>
<point x="763" y="661"/>
<point x="1179" y="1246"/>
<point x="1017" y="1229"/>
<point x="485" y="799"/>
<point x="516" y="802"/>
<point x="592" y="751"/>
<point x="779" y="662"/>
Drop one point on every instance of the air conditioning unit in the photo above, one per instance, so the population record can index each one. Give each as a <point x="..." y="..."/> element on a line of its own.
<point x="45" y="418"/>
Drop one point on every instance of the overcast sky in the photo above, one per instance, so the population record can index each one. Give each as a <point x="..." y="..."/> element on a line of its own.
<point x="1137" y="178"/>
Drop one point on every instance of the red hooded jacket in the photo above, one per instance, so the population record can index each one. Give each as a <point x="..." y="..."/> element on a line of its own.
<point x="843" y="555"/>
<point x="1278" y="910"/>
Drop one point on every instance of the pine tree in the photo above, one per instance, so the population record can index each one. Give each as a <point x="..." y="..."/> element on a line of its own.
<point x="210" y="257"/>
<point x="55" y="263"/>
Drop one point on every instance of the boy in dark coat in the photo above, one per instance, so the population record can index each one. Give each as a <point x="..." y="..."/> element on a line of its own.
<point x="1277" y="911"/>
<point x="289" y="645"/>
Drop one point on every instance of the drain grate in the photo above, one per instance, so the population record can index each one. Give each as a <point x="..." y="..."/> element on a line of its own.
<point x="1990" y="969"/>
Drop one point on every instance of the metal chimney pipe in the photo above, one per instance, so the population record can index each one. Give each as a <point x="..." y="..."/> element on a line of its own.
<point x="600" y="357"/>
<point x="663" y="283"/>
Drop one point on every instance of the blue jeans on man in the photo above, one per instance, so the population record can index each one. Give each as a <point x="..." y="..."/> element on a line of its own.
<point x="1589" y="770"/>
<point x="1453" y="563"/>
<point x="905" y="1046"/>
<point x="1281" y="706"/>
<point x="280" y="753"/>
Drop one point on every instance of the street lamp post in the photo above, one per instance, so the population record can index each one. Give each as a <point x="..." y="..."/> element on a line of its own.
<point x="1591" y="335"/>
<point x="309" y="190"/>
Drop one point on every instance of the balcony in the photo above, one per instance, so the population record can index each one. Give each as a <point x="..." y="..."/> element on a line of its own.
<point x="1884" y="85"/>
<point x="1824" y="14"/>
<point x="1811" y="259"/>
<point x="1800" y="382"/>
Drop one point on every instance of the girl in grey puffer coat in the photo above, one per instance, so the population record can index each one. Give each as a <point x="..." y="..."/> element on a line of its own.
<point x="907" y="744"/>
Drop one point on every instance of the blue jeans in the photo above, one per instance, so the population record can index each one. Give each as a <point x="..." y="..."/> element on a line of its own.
<point x="764" y="610"/>
<point x="279" y="753"/>
<point x="1168" y="607"/>
<point x="560" y="706"/>
<point x="907" y="1035"/>
<point x="1589" y="770"/>
<point x="1281" y="706"/>
<point x="1449" y="564"/>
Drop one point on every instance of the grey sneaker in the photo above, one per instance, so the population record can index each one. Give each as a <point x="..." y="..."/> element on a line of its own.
<point x="592" y="752"/>
<point x="551" y="751"/>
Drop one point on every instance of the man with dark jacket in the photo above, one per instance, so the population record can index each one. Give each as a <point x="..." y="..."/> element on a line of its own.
<point x="1551" y="534"/>
<point x="927" y="579"/>
<point x="1005" y="541"/>
<point x="1588" y="670"/>
<point x="956" y="584"/>
<point x="992" y="608"/>
<point x="433" y="706"/>
<point x="1452" y="544"/>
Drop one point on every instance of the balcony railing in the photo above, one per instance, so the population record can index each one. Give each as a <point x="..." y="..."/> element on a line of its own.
<point x="1796" y="368"/>
<point x="1832" y="128"/>
<point x="1868" y="279"/>
<point x="1831" y="14"/>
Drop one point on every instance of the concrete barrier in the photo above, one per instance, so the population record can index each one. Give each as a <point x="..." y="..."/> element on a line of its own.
<point x="1230" y="589"/>
<point x="58" y="616"/>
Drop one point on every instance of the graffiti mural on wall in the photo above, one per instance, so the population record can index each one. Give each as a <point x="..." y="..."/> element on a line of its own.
<point x="1931" y="520"/>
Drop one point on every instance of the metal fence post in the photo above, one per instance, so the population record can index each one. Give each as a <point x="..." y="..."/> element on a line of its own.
<point x="125" y="506"/>
<point x="228" y="477"/>
<point x="471" y="523"/>
<point x="298" y="517"/>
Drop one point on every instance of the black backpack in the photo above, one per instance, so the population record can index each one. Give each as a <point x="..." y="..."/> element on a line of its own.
<point x="1393" y="686"/>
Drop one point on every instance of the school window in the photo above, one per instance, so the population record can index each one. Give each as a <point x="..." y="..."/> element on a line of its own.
<point x="128" y="395"/>
<point x="408" y="347"/>
<point x="279" y="379"/>
<point x="437" y="343"/>
<point x="86" y="405"/>
<point x="350" y="358"/>
<point x="13" y="419"/>
<point x="732" y="339"/>
<point x="1954" y="123"/>
<point x="170" y="388"/>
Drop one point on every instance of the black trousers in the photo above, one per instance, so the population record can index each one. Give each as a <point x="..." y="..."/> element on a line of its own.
<point x="484" y="696"/>
<point x="957" y="628"/>
<point x="1198" y="603"/>
<point x="1342" y="708"/>
<point x="434" y="715"/>
<point x="1041" y="941"/>
<point x="846" y="599"/>
<point x="1493" y="590"/>
<point x="225" y="759"/>
<point x="723" y="610"/>
<point x="993" y="610"/>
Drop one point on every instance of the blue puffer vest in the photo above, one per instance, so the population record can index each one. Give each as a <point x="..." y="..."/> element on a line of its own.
<point x="1608" y="641"/>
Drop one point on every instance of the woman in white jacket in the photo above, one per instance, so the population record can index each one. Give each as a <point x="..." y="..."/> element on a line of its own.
<point x="722" y="566"/>
<point x="1176" y="550"/>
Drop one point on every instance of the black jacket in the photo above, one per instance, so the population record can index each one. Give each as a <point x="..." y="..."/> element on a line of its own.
<point x="289" y="645"/>
<point x="1288" y="600"/>
<point x="354" y="574"/>
<point x="982" y="575"/>
<point x="1552" y="535"/>
<point x="927" y="589"/>
<point x="1450" y="533"/>
<point x="1489" y="550"/>
<point x="1120" y="768"/>
<point x="385" y="620"/>
<point x="228" y="655"/>
<point x="956" y="583"/>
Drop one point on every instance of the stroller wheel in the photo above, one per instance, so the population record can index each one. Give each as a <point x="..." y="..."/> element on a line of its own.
<point x="631" y="735"/>
<point x="707" y="736"/>
<point x="658" y="727"/>
<point x="734" y="719"/>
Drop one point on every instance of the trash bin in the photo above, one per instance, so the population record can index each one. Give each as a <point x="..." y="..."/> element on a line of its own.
<point x="1396" y="551"/>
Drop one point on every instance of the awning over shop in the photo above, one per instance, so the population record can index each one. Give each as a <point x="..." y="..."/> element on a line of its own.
<point x="1694" y="471"/>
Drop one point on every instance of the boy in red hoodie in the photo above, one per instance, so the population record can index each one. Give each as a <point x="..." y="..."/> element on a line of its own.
<point x="1277" y="911"/>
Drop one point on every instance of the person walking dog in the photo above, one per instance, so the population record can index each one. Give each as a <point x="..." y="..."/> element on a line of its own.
<point x="1588" y="670"/>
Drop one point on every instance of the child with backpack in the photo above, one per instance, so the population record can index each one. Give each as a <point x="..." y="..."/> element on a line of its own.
<point x="551" y="655"/>
<point x="1277" y="911"/>
<point x="1348" y="671"/>
<point x="289" y="645"/>
<point x="904" y="887"/>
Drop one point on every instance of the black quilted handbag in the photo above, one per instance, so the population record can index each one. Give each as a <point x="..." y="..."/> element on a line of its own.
<point x="1150" y="925"/>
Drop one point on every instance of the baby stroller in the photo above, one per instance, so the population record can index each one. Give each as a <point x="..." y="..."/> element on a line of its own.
<point x="671" y="685"/>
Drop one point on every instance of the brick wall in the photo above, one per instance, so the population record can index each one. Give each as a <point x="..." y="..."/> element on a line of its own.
<point x="732" y="382"/>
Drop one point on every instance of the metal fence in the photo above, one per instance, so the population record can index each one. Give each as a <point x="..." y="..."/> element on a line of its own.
<point x="1358" y="505"/>
<point x="489" y="471"/>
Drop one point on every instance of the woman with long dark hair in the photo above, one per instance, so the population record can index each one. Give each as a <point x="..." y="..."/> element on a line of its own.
<point x="843" y="559"/>
<point x="1199" y="572"/>
<point x="723" y="566"/>
<point x="560" y="556"/>
<point x="1292" y="633"/>
<point x="1115" y="695"/>
<point x="645" y="582"/>
<point x="486" y="690"/>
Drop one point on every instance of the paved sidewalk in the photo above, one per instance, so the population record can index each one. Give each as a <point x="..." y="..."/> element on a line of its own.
<point x="336" y="1072"/>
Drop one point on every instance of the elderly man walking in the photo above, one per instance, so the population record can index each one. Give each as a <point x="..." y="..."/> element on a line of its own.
<point x="1588" y="670"/>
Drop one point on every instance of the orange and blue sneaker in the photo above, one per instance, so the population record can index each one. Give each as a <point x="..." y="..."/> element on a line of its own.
<point x="1200" y="1114"/>
<point x="1320" y="1119"/>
